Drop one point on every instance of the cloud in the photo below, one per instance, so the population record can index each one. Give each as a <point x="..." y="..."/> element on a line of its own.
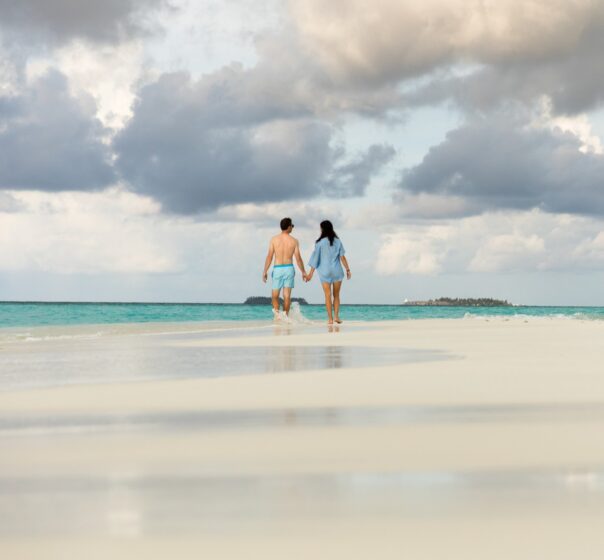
<point x="522" y="49"/>
<point x="351" y="178"/>
<point x="390" y="39"/>
<point x="413" y="254"/>
<point x="86" y="233"/>
<point x="304" y="214"/>
<point x="504" y="161"/>
<point x="515" y="241"/>
<point x="573" y="80"/>
<point x="8" y="203"/>
<point x="110" y="75"/>
<point x="198" y="145"/>
<point x="50" y="140"/>
<point x="61" y="21"/>
<point x="508" y="252"/>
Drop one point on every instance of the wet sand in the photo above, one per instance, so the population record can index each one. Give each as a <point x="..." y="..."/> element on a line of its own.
<point x="474" y="438"/>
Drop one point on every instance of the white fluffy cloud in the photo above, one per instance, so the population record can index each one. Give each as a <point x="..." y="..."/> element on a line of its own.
<point x="108" y="74"/>
<point x="413" y="252"/>
<point x="494" y="242"/>
<point x="507" y="252"/>
<point x="88" y="233"/>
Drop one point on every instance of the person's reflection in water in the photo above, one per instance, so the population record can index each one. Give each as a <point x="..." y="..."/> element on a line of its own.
<point x="333" y="328"/>
<point x="290" y="417"/>
<point x="283" y="358"/>
<point x="334" y="357"/>
<point x="281" y="329"/>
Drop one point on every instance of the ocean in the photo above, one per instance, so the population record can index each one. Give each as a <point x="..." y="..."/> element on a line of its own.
<point x="34" y="314"/>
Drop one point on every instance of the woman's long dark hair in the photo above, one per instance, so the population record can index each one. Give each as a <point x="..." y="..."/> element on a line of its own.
<point x="327" y="231"/>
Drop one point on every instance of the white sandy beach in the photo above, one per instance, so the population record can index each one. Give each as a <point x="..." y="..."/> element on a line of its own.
<point x="469" y="438"/>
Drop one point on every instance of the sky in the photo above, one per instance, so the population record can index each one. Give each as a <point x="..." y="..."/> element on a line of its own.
<point x="149" y="148"/>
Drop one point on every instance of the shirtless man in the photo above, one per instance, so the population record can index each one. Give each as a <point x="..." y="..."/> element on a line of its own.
<point x="283" y="248"/>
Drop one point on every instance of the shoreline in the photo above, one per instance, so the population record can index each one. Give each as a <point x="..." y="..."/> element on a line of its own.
<point x="154" y="326"/>
<point x="490" y="434"/>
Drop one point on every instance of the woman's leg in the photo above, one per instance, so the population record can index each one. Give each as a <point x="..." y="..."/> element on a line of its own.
<point x="327" y="292"/>
<point x="336" y="300"/>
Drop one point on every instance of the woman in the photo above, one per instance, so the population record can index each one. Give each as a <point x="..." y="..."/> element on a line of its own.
<point x="326" y="258"/>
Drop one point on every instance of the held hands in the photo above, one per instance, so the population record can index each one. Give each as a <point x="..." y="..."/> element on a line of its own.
<point x="308" y="277"/>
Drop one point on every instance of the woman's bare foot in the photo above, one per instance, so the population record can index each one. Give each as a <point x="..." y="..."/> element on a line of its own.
<point x="330" y="322"/>
<point x="338" y="320"/>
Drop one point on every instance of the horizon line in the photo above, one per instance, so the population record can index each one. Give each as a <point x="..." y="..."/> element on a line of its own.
<point x="89" y="302"/>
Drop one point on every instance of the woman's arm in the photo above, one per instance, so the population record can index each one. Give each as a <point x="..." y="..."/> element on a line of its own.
<point x="346" y="267"/>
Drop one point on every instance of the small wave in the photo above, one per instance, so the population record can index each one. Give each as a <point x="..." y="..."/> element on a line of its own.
<point x="296" y="315"/>
<point x="526" y="316"/>
<point x="29" y="337"/>
<point x="587" y="317"/>
<point x="83" y="332"/>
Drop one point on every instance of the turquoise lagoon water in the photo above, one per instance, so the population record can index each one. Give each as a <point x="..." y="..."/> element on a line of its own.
<point x="31" y="314"/>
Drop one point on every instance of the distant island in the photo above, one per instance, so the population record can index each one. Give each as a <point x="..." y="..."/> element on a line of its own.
<point x="262" y="300"/>
<point x="460" y="302"/>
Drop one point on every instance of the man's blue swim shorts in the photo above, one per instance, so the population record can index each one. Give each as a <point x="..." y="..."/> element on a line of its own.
<point x="283" y="276"/>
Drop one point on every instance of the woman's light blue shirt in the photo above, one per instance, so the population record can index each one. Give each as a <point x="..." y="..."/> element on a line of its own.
<point x="326" y="260"/>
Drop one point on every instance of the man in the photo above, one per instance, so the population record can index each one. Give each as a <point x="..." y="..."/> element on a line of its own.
<point x="283" y="248"/>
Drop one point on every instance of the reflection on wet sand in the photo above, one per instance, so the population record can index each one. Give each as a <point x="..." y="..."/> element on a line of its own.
<point x="296" y="358"/>
<point x="488" y="448"/>
<point x="143" y="359"/>
<point x="209" y="420"/>
<point x="138" y="505"/>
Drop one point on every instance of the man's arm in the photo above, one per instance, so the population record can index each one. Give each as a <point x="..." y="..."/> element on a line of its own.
<point x="299" y="260"/>
<point x="268" y="261"/>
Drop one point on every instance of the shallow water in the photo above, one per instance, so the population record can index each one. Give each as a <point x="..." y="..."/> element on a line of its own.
<point x="36" y="314"/>
<point x="56" y="360"/>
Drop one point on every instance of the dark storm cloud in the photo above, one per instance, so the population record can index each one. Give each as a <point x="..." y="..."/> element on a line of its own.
<point x="51" y="141"/>
<point x="573" y="81"/>
<point x="526" y="49"/>
<point x="498" y="163"/>
<point x="200" y="145"/>
<point x="63" y="20"/>
<point x="351" y="178"/>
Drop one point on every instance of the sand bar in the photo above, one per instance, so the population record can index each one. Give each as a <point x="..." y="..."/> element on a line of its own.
<point x="437" y="437"/>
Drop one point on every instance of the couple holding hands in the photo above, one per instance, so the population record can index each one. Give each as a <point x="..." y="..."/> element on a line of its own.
<point x="327" y="259"/>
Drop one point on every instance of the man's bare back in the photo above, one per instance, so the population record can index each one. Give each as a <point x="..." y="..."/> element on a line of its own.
<point x="284" y="247"/>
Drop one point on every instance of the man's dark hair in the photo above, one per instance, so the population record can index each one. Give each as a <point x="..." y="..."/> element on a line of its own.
<point x="285" y="223"/>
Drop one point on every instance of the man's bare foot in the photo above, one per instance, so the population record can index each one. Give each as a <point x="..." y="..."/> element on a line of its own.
<point x="276" y="315"/>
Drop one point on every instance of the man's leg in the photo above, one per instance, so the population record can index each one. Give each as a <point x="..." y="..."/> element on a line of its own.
<point x="327" y="292"/>
<point x="275" y="298"/>
<point x="287" y="299"/>
<point x="336" y="300"/>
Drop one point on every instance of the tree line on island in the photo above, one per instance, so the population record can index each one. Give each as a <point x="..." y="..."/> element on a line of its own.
<point x="461" y="302"/>
<point x="442" y="301"/>
<point x="262" y="300"/>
